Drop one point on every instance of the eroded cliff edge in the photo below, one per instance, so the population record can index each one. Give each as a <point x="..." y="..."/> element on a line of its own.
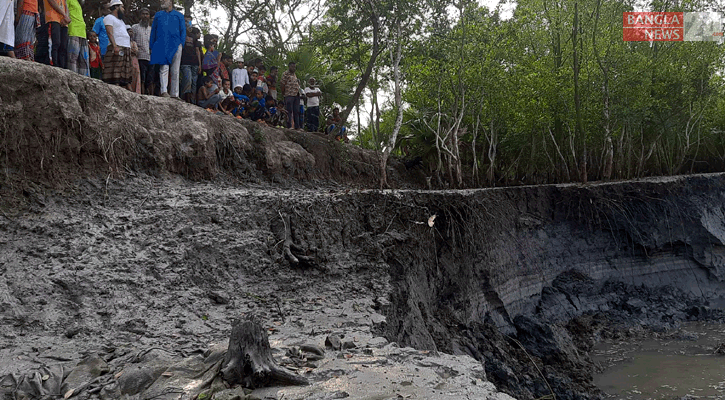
<point x="551" y="269"/>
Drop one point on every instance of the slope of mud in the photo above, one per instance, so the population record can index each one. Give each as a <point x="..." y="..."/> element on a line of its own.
<point x="133" y="230"/>
<point x="81" y="125"/>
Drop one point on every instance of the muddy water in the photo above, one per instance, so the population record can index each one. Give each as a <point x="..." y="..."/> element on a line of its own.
<point x="682" y="364"/>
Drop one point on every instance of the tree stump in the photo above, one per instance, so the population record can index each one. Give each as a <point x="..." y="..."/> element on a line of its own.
<point x="249" y="360"/>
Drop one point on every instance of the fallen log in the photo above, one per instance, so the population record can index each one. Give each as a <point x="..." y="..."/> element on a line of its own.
<point x="249" y="359"/>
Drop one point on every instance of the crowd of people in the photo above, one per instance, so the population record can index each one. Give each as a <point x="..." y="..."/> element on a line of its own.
<point x="161" y="55"/>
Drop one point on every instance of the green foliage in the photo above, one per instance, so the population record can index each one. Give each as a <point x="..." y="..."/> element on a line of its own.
<point x="645" y="108"/>
<point x="659" y="103"/>
<point x="258" y="135"/>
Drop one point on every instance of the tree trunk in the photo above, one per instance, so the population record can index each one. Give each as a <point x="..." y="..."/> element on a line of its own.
<point x="579" y="130"/>
<point x="395" y="58"/>
<point x="375" y="21"/>
<point x="249" y="360"/>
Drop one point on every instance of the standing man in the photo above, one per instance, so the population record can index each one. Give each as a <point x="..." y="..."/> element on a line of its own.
<point x="313" y="93"/>
<point x="118" y="67"/>
<point x="168" y="34"/>
<point x="99" y="27"/>
<point x="142" y="33"/>
<point x="290" y="87"/>
<point x="52" y="42"/>
<point x="77" y="43"/>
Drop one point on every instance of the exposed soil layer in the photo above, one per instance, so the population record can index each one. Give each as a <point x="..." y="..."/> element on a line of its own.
<point x="167" y="262"/>
<point x="140" y="239"/>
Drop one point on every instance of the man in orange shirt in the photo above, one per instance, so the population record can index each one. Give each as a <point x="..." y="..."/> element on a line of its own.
<point x="53" y="33"/>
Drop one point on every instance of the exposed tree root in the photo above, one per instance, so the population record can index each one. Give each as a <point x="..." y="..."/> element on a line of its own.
<point x="294" y="253"/>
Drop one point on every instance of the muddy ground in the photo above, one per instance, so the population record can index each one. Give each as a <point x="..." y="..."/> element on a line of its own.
<point x="128" y="246"/>
<point x="123" y="269"/>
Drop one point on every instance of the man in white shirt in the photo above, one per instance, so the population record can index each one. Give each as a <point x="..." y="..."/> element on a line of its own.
<point x="313" y="93"/>
<point x="239" y="74"/>
<point x="118" y="68"/>
<point x="7" y="28"/>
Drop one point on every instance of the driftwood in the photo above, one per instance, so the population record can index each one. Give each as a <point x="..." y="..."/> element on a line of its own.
<point x="249" y="360"/>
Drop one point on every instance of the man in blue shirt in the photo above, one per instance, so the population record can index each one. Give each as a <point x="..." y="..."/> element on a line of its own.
<point x="100" y="28"/>
<point x="168" y="33"/>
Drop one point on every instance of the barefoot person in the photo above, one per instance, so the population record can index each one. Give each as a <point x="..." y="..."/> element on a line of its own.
<point x="118" y="69"/>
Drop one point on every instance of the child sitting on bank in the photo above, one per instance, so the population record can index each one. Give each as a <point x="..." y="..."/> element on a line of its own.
<point x="259" y="96"/>
<point x="274" y="116"/>
<point x="333" y="121"/>
<point x="226" y="89"/>
<point x="242" y="100"/>
<point x="206" y="97"/>
<point x="257" y="113"/>
<point x="228" y="105"/>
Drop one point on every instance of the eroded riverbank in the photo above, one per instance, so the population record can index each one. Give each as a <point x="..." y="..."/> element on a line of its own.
<point x="525" y="280"/>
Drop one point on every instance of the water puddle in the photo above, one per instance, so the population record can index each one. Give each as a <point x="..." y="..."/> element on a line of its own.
<point x="683" y="364"/>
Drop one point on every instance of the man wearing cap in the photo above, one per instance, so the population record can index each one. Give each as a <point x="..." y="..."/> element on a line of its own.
<point x="168" y="34"/>
<point x="142" y="34"/>
<point x="118" y="67"/>
<point x="290" y="88"/>
<point x="239" y="74"/>
<point x="77" y="44"/>
<point x="313" y="93"/>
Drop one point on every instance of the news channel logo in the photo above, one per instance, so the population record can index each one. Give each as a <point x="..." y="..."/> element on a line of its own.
<point x="704" y="26"/>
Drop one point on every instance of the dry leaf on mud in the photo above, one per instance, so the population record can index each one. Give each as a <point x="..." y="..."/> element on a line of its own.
<point x="431" y="220"/>
<point x="68" y="394"/>
<point x="167" y="374"/>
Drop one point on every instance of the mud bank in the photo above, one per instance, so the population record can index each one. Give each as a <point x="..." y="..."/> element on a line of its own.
<point x="82" y="126"/>
<point x="523" y="279"/>
<point x="132" y="223"/>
